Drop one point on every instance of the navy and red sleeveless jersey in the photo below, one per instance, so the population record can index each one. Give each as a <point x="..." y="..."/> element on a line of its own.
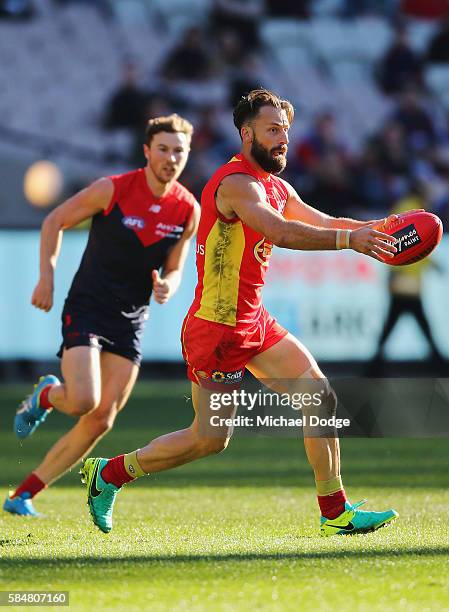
<point x="128" y="240"/>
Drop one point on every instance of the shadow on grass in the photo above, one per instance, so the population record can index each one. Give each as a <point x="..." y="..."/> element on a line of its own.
<point x="120" y="561"/>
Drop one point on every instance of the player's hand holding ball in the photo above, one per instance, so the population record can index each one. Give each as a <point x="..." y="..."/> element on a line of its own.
<point x="397" y="240"/>
<point x="370" y="241"/>
<point x="417" y="234"/>
<point x="42" y="297"/>
<point x="161" y="288"/>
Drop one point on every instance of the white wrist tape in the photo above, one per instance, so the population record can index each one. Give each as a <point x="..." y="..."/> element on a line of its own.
<point x="342" y="243"/>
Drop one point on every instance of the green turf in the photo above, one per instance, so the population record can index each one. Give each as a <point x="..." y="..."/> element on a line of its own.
<point x="236" y="531"/>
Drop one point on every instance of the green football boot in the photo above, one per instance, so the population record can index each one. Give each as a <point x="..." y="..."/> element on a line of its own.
<point x="353" y="520"/>
<point x="100" y="495"/>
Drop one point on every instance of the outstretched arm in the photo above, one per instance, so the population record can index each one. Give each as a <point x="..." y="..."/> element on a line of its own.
<point x="81" y="206"/>
<point x="297" y="210"/>
<point x="240" y="195"/>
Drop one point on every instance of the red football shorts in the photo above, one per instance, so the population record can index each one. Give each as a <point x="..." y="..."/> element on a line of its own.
<point x="217" y="354"/>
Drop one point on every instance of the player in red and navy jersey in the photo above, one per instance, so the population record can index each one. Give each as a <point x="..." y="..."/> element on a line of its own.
<point x="142" y="224"/>
<point x="245" y="210"/>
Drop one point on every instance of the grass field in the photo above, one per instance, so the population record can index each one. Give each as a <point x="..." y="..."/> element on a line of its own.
<point x="236" y="531"/>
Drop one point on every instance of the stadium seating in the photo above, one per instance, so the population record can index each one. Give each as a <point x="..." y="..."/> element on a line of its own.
<point x="58" y="79"/>
<point x="373" y="36"/>
<point x="178" y="15"/>
<point x="75" y="46"/>
<point x="437" y="78"/>
<point x="420" y="33"/>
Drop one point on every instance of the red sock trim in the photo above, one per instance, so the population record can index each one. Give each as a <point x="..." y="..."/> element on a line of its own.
<point x="115" y="473"/>
<point x="332" y="505"/>
<point x="32" y="485"/>
<point x="44" y="402"/>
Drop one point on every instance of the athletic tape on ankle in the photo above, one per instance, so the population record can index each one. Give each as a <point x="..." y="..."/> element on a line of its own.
<point x="327" y="487"/>
<point x="132" y="465"/>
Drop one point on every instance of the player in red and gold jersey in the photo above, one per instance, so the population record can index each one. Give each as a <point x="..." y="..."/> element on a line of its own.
<point x="245" y="210"/>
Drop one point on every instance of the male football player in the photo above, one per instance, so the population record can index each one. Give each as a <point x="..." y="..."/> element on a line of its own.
<point x="245" y="210"/>
<point x="142" y="223"/>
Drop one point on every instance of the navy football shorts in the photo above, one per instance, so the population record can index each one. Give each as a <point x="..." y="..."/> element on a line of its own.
<point x="116" y="333"/>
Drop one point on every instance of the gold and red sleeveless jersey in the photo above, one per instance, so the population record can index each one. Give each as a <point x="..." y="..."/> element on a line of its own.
<point x="232" y="258"/>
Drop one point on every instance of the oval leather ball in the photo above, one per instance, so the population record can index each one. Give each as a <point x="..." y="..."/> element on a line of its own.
<point x="417" y="233"/>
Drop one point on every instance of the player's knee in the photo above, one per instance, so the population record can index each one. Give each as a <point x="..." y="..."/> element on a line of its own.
<point x="317" y="423"/>
<point x="211" y="446"/>
<point x="100" y="424"/>
<point x="334" y="402"/>
<point x="330" y="403"/>
<point x="327" y="406"/>
<point x="84" y="403"/>
<point x="220" y="444"/>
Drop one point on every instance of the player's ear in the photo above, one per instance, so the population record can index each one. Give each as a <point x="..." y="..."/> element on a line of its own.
<point x="247" y="134"/>
<point x="146" y="151"/>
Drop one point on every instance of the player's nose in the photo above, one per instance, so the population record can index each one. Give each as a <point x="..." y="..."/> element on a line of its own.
<point x="282" y="143"/>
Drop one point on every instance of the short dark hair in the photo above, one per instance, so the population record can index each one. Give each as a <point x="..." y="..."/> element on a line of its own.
<point x="172" y="123"/>
<point x="249" y="105"/>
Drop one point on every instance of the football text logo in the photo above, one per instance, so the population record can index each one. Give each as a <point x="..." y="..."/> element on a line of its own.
<point x="406" y="238"/>
<point x="133" y="222"/>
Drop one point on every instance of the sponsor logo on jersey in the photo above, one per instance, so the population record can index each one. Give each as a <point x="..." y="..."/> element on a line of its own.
<point x="155" y="208"/>
<point x="134" y="223"/>
<point x="166" y="230"/>
<point x="167" y="227"/>
<point x="406" y="238"/>
<point x="228" y="378"/>
<point x="262" y="251"/>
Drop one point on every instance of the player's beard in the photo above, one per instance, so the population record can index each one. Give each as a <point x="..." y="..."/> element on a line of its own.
<point x="264" y="157"/>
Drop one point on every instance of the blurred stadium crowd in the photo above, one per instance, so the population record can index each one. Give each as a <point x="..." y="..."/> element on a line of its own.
<point x="369" y="80"/>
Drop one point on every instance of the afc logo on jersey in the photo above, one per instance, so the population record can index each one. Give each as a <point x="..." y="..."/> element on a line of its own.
<point x="262" y="251"/>
<point x="134" y="223"/>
